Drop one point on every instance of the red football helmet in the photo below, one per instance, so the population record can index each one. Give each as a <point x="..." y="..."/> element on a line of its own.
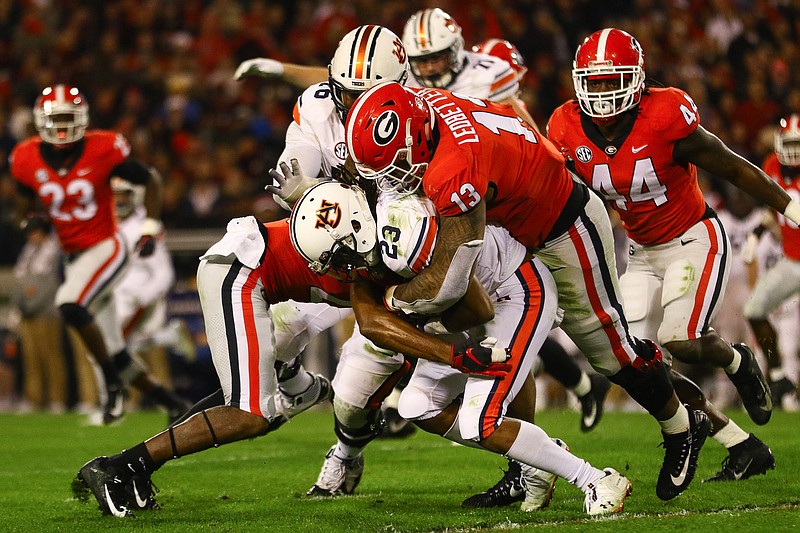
<point x="505" y="51"/>
<point x="388" y="135"/>
<point x="609" y="54"/>
<point x="61" y="114"/>
<point x="787" y="141"/>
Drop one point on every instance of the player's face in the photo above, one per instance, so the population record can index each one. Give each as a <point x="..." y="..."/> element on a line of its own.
<point x="432" y="65"/>
<point x="349" y="98"/>
<point x="600" y="85"/>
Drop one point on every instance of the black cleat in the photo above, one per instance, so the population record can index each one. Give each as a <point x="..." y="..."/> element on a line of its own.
<point x="395" y="426"/>
<point x="106" y="485"/>
<point x="141" y="493"/>
<point x="749" y="458"/>
<point x="114" y="409"/>
<point x="779" y="389"/>
<point x="752" y="386"/>
<point x="505" y="492"/>
<point x="592" y="402"/>
<point x="681" y="452"/>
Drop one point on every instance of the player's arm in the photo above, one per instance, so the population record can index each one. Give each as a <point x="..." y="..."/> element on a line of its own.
<point x="300" y="76"/>
<point x="521" y="111"/>
<point x="389" y="331"/>
<point x="24" y="203"/>
<point x="446" y="279"/>
<point x="708" y="152"/>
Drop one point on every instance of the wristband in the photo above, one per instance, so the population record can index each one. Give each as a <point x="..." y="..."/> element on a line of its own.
<point x="388" y="298"/>
<point x="792" y="212"/>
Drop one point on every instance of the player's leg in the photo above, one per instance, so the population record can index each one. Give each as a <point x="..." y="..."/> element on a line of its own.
<point x="694" y="269"/>
<point x="239" y="338"/>
<point x="774" y="287"/>
<point x="583" y="264"/>
<point x="88" y="278"/>
<point x="364" y="377"/>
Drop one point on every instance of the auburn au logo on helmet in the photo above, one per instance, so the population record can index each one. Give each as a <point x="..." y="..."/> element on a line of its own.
<point x="328" y="214"/>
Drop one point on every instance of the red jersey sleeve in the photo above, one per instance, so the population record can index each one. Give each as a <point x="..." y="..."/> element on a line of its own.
<point x="455" y="185"/>
<point x="675" y="116"/>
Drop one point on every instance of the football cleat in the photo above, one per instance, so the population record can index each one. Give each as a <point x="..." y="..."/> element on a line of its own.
<point x="106" y="484"/>
<point x="114" y="409"/>
<point x="749" y="458"/>
<point x="141" y="492"/>
<point x="338" y="476"/>
<point x="319" y="391"/>
<point x="607" y="494"/>
<point x="539" y="485"/>
<point x="784" y="394"/>
<point x="681" y="452"/>
<point x="395" y="426"/>
<point x="505" y="492"/>
<point x="592" y="402"/>
<point x="752" y="386"/>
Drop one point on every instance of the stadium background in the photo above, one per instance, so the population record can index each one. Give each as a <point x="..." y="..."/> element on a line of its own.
<point x="162" y="74"/>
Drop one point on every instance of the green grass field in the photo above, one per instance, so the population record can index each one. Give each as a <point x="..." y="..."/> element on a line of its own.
<point x="415" y="484"/>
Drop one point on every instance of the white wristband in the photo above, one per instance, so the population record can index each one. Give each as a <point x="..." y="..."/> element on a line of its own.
<point x="388" y="296"/>
<point x="792" y="212"/>
<point x="151" y="226"/>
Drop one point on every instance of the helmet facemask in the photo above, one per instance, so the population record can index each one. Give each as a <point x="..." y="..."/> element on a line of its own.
<point x="610" y="103"/>
<point x="787" y="142"/>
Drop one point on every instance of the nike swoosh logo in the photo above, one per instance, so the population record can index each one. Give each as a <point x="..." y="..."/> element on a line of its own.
<point x="738" y="475"/>
<point x="682" y="476"/>
<point x="140" y="502"/>
<point x="118" y="512"/>
<point x="83" y="171"/>
<point x="515" y="493"/>
<point x="687" y="241"/>
<point x="589" y="420"/>
<point x="636" y="150"/>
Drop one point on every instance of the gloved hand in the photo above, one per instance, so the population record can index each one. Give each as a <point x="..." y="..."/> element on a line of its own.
<point x="649" y="357"/>
<point x="259" y="66"/>
<point x="474" y="356"/>
<point x="748" y="252"/>
<point x="147" y="242"/>
<point x="291" y="184"/>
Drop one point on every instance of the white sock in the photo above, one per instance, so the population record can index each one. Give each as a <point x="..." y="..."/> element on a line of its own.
<point x="533" y="447"/>
<point x="730" y="435"/>
<point x="735" y="363"/>
<point x="297" y="384"/>
<point x="583" y="387"/>
<point x="346" y="452"/>
<point x="677" y="423"/>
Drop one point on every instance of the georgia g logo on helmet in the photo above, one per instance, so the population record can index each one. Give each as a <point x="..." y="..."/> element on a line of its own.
<point x="386" y="127"/>
<point x="328" y="214"/>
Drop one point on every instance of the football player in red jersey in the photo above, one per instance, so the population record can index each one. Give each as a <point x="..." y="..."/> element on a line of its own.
<point x="639" y="148"/>
<point x="478" y="163"/>
<point x="68" y="170"/>
<point x="252" y="267"/>
<point x="782" y="281"/>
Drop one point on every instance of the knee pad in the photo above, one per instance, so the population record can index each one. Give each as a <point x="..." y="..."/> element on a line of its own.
<point x="652" y="390"/>
<point x="355" y="426"/>
<point x="75" y="315"/>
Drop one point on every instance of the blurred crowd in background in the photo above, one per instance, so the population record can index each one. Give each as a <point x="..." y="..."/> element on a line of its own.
<point x="161" y="73"/>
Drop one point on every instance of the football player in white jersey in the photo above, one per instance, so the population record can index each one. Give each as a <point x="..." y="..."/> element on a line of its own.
<point x="140" y="296"/>
<point x="524" y="310"/>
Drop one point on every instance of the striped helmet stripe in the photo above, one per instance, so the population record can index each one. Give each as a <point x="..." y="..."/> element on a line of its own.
<point x="363" y="51"/>
<point x="61" y="95"/>
<point x="601" y="44"/>
<point x="424" y="30"/>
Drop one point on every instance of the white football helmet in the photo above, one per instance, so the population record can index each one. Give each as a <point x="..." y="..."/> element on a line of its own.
<point x="332" y="227"/>
<point x="127" y="196"/>
<point x="366" y="56"/>
<point x="428" y="35"/>
<point x="787" y="141"/>
<point x="61" y="114"/>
